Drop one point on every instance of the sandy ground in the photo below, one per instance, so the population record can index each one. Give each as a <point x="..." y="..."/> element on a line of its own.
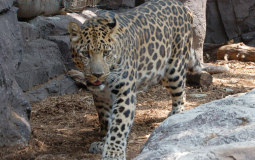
<point x="64" y="127"/>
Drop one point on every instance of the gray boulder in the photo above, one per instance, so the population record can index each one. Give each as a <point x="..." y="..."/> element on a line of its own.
<point x="58" y="86"/>
<point x="63" y="43"/>
<point x="53" y="26"/>
<point x="14" y="108"/>
<point x="129" y="3"/>
<point x="41" y="61"/>
<point x="110" y="4"/>
<point x="228" y="20"/>
<point x="33" y="8"/>
<point x="215" y="31"/>
<point x="29" y="32"/>
<point x="47" y="56"/>
<point x="222" y="129"/>
<point x="34" y="57"/>
<point x="77" y="6"/>
<point x="5" y="5"/>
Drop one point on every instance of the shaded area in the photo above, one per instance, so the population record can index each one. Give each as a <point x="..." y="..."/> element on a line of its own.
<point x="14" y="108"/>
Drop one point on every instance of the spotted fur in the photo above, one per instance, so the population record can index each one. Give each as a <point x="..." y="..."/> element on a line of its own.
<point x="120" y="54"/>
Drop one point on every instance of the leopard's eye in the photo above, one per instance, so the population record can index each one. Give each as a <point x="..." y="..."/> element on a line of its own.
<point x="85" y="53"/>
<point x="106" y="52"/>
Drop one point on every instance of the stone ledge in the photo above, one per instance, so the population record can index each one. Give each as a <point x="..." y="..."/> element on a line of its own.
<point x="60" y="85"/>
<point x="216" y="130"/>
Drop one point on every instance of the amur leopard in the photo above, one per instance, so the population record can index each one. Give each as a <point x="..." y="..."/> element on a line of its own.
<point x="120" y="54"/>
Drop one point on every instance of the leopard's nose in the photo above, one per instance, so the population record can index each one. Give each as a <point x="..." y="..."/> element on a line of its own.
<point x="98" y="75"/>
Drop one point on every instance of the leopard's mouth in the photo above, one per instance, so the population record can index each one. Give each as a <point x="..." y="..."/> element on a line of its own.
<point x="96" y="85"/>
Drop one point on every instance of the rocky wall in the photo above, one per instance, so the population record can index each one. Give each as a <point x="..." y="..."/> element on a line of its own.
<point x="46" y="57"/>
<point x="14" y="108"/>
<point x="228" y="20"/>
<point x="34" y="58"/>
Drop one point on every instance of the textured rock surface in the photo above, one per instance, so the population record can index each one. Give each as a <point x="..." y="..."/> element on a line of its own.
<point x="229" y="20"/>
<point x="110" y="4"/>
<point x="29" y="32"/>
<point x="215" y="31"/>
<point x="129" y="3"/>
<point x="41" y="61"/>
<point x="50" y="26"/>
<point x="34" y="56"/>
<point x="59" y="86"/>
<point x="5" y="5"/>
<point x="222" y="129"/>
<point x="14" y="108"/>
<point x="33" y="8"/>
<point x="79" y="5"/>
<point x="64" y="48"/>
<point x="47" y="56"/>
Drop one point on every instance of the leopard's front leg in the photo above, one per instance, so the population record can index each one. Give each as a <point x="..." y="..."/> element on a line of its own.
<point x="122" y="118"/>
<point x="103" y="103"/>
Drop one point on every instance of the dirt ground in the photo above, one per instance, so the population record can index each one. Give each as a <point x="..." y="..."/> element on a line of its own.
<point x="64" y="127"/>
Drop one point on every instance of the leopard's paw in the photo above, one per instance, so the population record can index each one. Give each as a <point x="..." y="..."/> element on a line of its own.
<point x="96" y="147"/>
<point x="77" y="76"/>
<point x="75" y="73"/>
<point x="175" y="111"/>
<point x="113" y="155"/>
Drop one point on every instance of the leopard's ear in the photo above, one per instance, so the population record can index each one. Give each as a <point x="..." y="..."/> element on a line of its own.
<point x="116" y="29"/>
<point x="112" y="23"/>
<point x="74" y="30"/>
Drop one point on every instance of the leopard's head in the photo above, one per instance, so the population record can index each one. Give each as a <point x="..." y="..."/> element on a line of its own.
<point x="94" y="50"/>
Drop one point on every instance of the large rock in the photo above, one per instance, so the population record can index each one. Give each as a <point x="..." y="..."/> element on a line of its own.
<point x="237" y="16"/>
<point x="110" y="4"/>
<point x="129" y="3"/>
<point x="34" y="57"/>
<point x="222" y="129"/>
<point x="228" y="20"/>
<point x="14" y="108"/>
<point x="63" y="43"/>
<point x="41" y="61"/>
<point x="215" y="31"/>
<point x="58" y="86"/>
<point x="5" y="5"/>
<point x="53" y="26"/>
<point x="46" y="57"/>
<point x="29" y="31"/>
<point x="33" y="8"/>
<point x="79" y="5"/>
<point x="42" y="27"/>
